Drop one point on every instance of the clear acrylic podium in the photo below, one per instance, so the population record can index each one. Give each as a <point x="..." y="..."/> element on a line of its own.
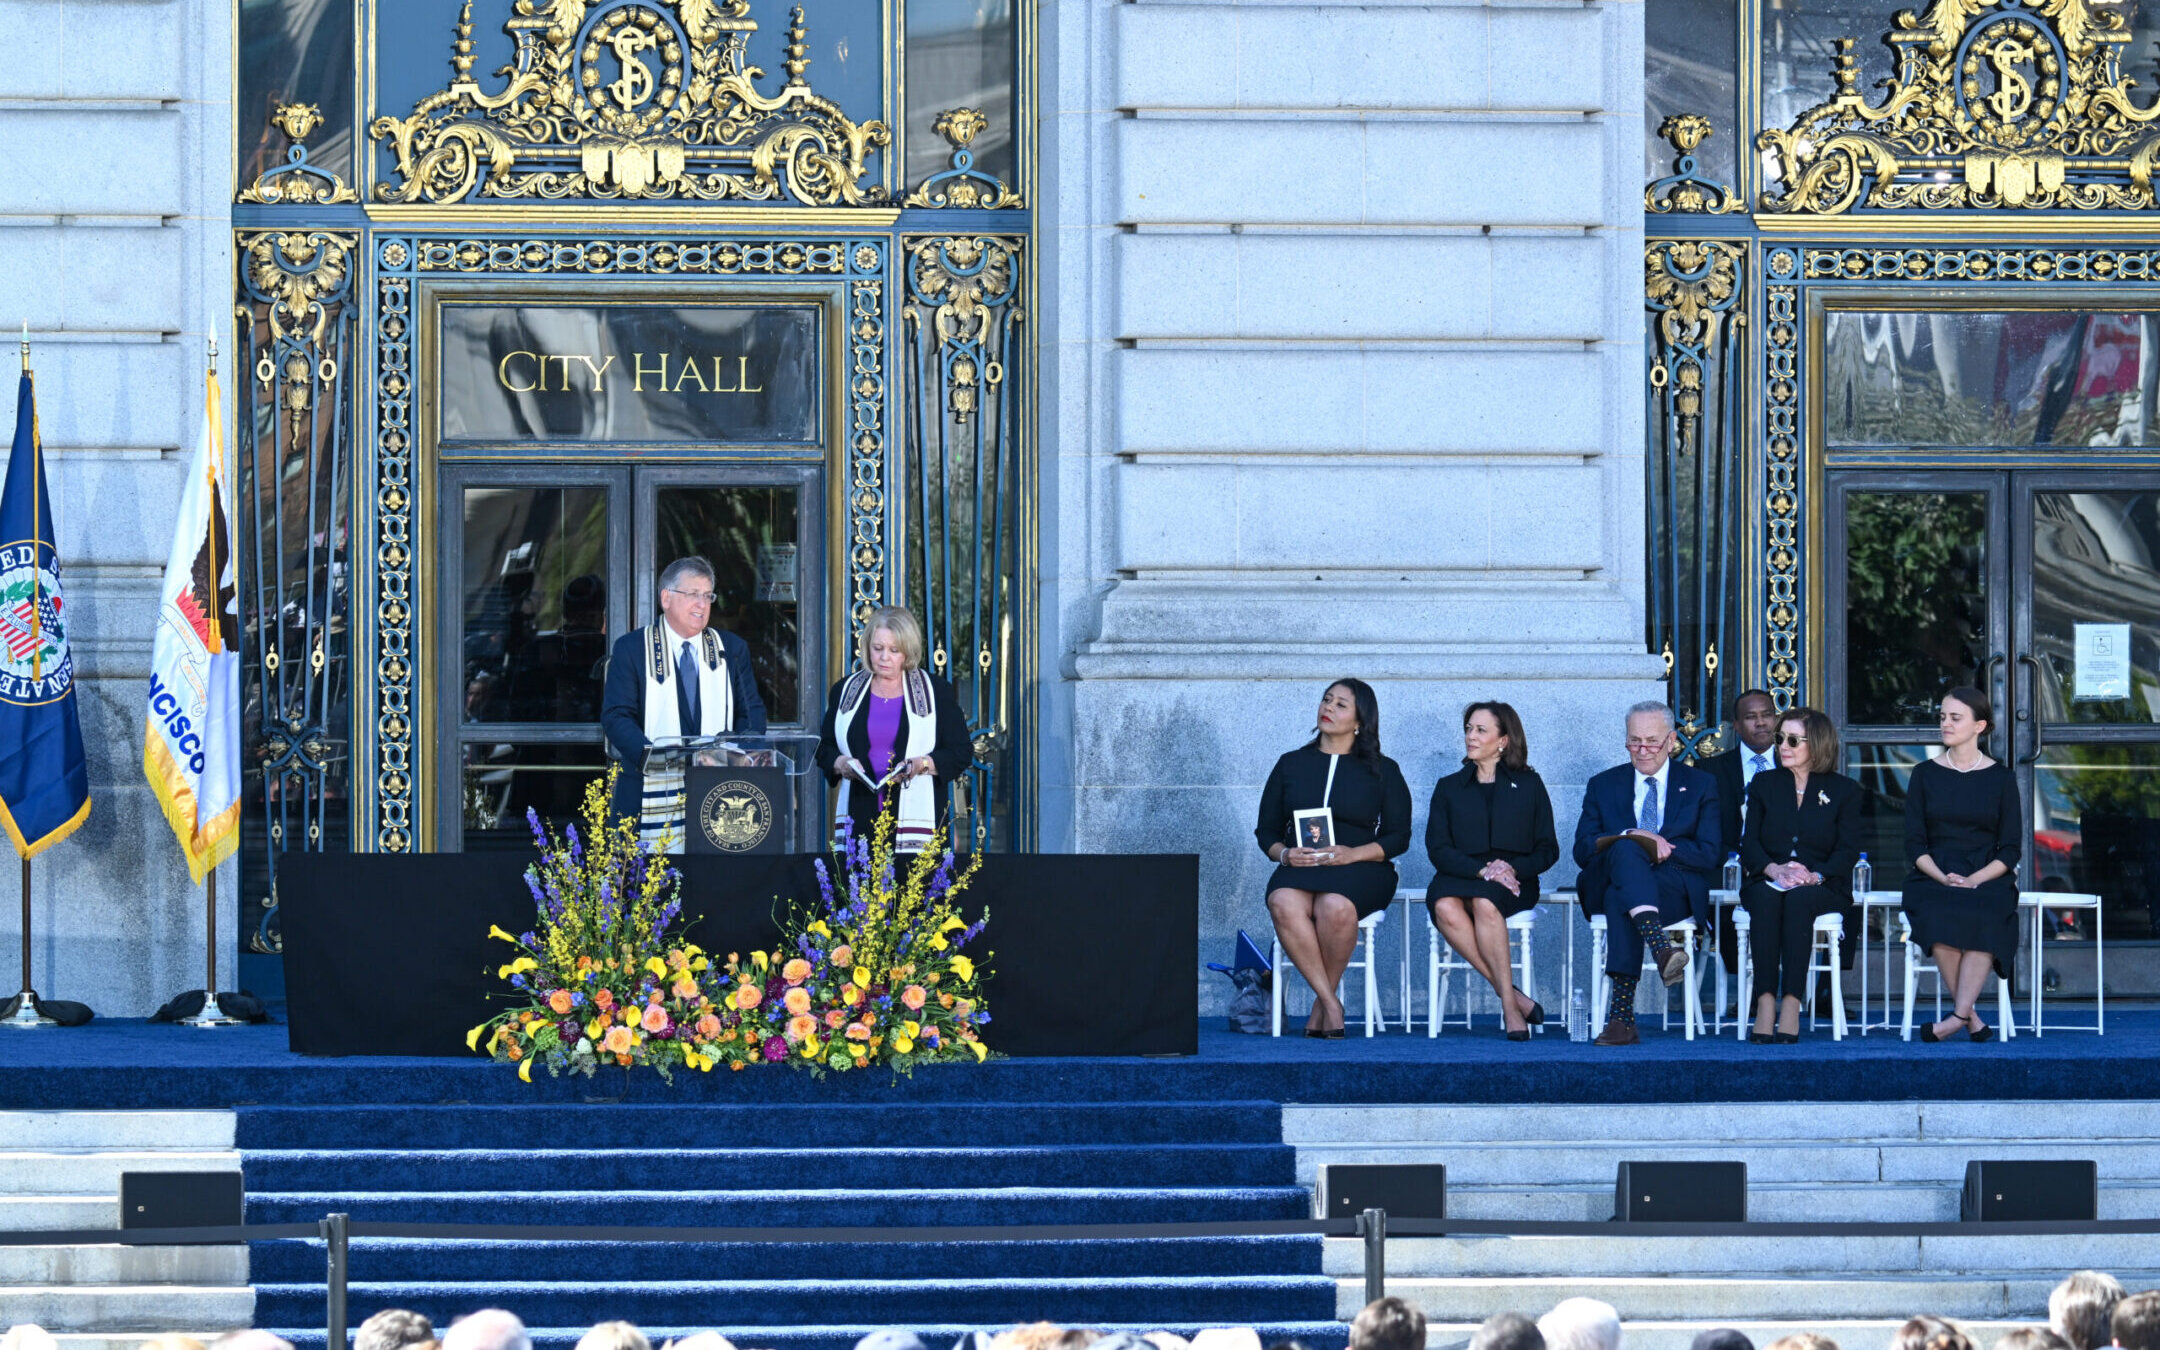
<point x="741" y="794"/>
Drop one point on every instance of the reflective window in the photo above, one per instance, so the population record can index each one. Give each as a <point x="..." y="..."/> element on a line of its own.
<point x="749" y="535"/>
<point x="2096" y="598"/>
<point x="295" y="51"/>
<point x="1915" y="602"/>
<point x="1797" y="53"/>
<point x="501" y="782"/>
<point x="959" y="55"/>
<point x="535" y="604"/>
<point x="2096" y="831"/>
<point x="1882" y="771"/>
<point x="1904" y="378"/>
<point x="1689" y="49"/>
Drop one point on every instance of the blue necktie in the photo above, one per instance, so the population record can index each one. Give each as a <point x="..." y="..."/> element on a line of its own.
<point x="1647" y="819"/>
<point x="686" y="690"/>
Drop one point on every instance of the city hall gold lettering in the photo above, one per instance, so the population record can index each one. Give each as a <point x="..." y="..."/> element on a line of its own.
<point x="662" y="372"/>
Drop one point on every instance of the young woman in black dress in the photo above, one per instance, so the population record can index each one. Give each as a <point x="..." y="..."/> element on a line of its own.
<point x="1964" y="834"/>
<point x="1317" y="895"/>
<point x="1799" y="846"/>
<point x="1489" y="834"/>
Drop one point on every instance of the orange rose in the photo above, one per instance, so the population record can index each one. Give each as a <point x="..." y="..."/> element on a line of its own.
<point x="747" y="996"/>
<point x="795" y="971"/>
<point x="708" y="1026"/>
<point x="797" y="1001"/>
<point x="603" y="999"/>
<point x="801" y="1028"/>
<point x="686" y="988"/>
<point x="858" y="1032"/>
<point x="834" y="1018"/>
<point x="843" y="955"/>
<point x="945" y="1000"/>
<point x="560" y="1001"/>
<point x="914" y="996"/>
<point x="655" y="1018"/>
<point x="619" y="1040"/>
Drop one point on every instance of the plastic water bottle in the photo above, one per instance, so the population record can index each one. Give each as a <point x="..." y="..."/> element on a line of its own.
<point x="1578" y="1017"/>
<point x="1863" y="877"/>
<point x="1732" y="872"/>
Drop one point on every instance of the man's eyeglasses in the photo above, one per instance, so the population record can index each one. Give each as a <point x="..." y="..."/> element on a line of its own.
<point x="697" y="597"/>
<point x="1658" y="744"/>
<point x="1793" y="741"/>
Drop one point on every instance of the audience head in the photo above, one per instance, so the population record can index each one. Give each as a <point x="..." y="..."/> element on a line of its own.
<point x="1807" y="741"/>
<point x="1388" y="1324"/>
<point x="1492" y="731"/>
<point x="171" y="1340"/>
<point x="2136" y="1323"/>
<point x="1349" y="705"/>
<point x="713" y="1340"/>
<point x="28" y="1336"/>
<point x="611" y="1336"/>
<point x="891" y="641"/>
<point x="1507" y="1331"/>
<point x="251" y="1339"/>
<point x="1803" y="1340"/>
<point x="1965" y="717"/>
<point x="488" y="1329"/>
<point x="2082" y="1309"/>
<point x="391" y="1329"/>
<point x="1931" y="1333"/>
<point x="2031" y="1338"/>
<point x="1754" y="716"/>
<point x="888" y="1338"/>
<point x="1582" y="1323"/>
<point x="1649" y="736"/>
<point x="1226" y="1338"/>
<point x="1161" y="1340"/>
<point x="1722" y="1338"/>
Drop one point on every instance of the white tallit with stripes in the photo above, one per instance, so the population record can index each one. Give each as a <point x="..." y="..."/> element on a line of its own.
<point x="665" y="810"/>
<point x="918" y="736"/>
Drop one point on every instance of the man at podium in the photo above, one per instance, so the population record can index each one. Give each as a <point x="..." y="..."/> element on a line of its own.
<point x="673" y="679"/>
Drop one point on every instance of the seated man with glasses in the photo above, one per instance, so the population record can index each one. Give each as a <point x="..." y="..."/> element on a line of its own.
<point x="674" y="678"/>
<point x="1647" y="844"/>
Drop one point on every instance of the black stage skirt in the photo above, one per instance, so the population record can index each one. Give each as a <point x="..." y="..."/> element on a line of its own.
<point x="1984" y="919"/>
<point x="1468" y="888"/>
<point x="1368" y="885"/>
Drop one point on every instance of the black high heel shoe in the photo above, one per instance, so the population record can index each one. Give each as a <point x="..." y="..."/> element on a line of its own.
<point x="1536" y="1016"/>
<point x="1787" y="1038"/>
<point x="1761" y="1037"/>
<point x="1927" y="1033"/>
<point x="1981" y="1034"/>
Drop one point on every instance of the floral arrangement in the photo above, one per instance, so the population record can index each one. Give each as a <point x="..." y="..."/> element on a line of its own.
<point x="872" y="973"/>
<point x="606" y="975"/>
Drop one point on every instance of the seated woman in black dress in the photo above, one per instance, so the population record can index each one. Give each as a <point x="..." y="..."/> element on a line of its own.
<point x="1964" y="834"/>
<point x="1800" y="843"/>
<point x="1489" y="834"/>
<point x="1317" y="895"/>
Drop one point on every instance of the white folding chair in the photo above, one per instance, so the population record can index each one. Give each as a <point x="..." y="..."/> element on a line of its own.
<point x="1363" y="960"/>
<point x="1601" y="980"/>
<point x="1714" y="954"/>
<point x="1826" y="957"/>
<point x="1442" y="961"/>
<point x="1870" y="901"/>
<point x="1918" y="963"/>
<point x="1412" y="901"/>
<point x="2041" y="902"/>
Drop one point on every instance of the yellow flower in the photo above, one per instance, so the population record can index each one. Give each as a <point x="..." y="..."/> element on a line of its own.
<point x="517" y="967"/>
<point x="963" y="967"/>
<point x="862" y="977"/>
<point x="954" y="922"/>
<point x="911" y="1029"/>
<point x="820" y="929"/>
<point x="658" y="967"/>
<point x="902" y="1044"/>
<point x="592" y="1029"/>
<point x="495" y="931"/>
<point x="810" y="1048"/>
<point x="525" y="1071"/>
<point x="940" y="943"/>
<point x="472" y="1038"/>
<point x="982" y="1052"/>
<point x="759" y="960"/>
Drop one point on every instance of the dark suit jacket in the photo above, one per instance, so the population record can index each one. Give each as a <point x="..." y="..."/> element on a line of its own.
<point x="953" y="753"/>
<point x="1460" y="834"/>
<point x="1822" y="831"/>
<point x="622" y="708"/>
<point x="1689" y="822"/>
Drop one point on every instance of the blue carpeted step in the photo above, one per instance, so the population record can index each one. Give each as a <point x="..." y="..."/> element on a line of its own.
<point x="1315" y="1335"/>
<point x="399" y="1261"/>
<point x="1204" y="1298"/>
<point x="982" y="1124"/>
<point x="800" y="1208"/>
<point x="1126" y="1165"/>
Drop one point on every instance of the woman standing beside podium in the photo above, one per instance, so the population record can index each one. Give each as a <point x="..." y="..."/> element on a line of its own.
<point x="1357" y="799"/>
<point x="893" y="728"/>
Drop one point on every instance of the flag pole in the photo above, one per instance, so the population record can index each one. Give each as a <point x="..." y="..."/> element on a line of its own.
<point x="27" y="1013"/>
<point x="213" y="1012"/>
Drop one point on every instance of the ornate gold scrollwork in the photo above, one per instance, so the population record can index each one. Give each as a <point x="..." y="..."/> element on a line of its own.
<point x="630" y="99"/>
<point x="963" y="185"/>
<point x="1685" y="190"/>
<point x="953" y="285"/>
<point x="297" y="182"/>
<point x="1692" y="286"/>
<point x="1782" y="489"/>
<point x="1995" y="104"/>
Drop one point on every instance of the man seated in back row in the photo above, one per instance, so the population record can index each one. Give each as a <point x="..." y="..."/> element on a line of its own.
<point x="1648" y="845"/>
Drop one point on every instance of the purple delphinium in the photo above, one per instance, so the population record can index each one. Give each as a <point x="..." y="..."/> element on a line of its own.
<point x="532" y="818"/>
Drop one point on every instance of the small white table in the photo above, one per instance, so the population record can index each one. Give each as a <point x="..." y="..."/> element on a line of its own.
<point x="1869" y="901"/>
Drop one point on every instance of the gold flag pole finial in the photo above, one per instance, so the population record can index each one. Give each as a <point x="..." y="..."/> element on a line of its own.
<point x="213" y="353"/>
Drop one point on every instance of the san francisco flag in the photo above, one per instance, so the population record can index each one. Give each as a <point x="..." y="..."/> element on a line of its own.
<point x="44" y="778"/>
<point x="191" y="745"/>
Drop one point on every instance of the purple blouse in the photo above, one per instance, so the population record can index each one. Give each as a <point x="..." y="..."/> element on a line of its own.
<point x="884" y="734"/>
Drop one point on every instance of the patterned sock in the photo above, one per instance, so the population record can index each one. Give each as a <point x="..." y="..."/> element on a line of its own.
<point x="1653" y="932"/>
<point x="1623" y="1000"/>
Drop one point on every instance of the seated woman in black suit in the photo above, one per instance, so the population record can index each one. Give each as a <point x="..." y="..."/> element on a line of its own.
<point x="1317" y="895"/>
<point x="1964" y="834"/>
<point x="1798" y="848"/>
<point x="1489" y="835"/>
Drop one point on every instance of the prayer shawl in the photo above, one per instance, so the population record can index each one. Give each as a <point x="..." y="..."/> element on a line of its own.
<point x="918" y="796"/>
<point x="665" y="806"/>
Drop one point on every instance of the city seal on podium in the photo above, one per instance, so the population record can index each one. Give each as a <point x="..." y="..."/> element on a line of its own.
<point x="735" y="816"/>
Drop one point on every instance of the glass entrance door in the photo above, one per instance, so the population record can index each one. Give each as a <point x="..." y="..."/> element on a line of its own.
<point x="2043" y="590"/>
<point x="547" y="565"/>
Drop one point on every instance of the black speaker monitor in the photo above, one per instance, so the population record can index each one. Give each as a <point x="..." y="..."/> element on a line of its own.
<point x="182" y="1199"/>
<point x="1404" y="1190"/>
<point x="2025" y="1191"/>
<point x="1681" y="1192"/>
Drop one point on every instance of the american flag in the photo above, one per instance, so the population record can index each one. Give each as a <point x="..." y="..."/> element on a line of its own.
<point x="17" y="631"/>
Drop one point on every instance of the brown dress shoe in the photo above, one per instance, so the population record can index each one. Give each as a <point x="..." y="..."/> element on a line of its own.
<point x="1616" y="1033"/>
<point x="1673" y="966"/>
